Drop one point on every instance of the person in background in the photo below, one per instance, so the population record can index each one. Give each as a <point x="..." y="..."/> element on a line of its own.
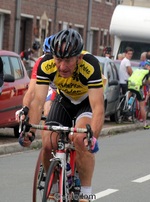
<point x="121" y="56"/>
<point x="27" y="55"/>
<point x="107" y="52"/>
<point x="136" y="81"/>
<point x="142" y="60"/>
<point x="29" y="96"/>
<point x="1" y="75"/>
<point x="125" y="69"/>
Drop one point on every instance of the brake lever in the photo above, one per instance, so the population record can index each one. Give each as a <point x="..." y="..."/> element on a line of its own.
<point x="20" y="122"/>
<point x="89" y="136"/>
<point x="23" y="125"/>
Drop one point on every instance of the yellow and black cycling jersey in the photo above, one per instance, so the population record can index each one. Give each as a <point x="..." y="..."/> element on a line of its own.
<point x="86" y="75"/>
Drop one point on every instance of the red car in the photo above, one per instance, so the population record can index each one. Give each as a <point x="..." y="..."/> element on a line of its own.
<point x="12" y="92"/>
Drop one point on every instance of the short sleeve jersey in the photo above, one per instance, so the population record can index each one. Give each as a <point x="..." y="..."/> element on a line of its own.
<point x="86" y="75"/>
<point x="123" y="74"/>
<point x="34" y="70"/>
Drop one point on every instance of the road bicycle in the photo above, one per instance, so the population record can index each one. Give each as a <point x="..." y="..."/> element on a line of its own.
<point x="68" y="187"/>
<point x="126" y="111"/>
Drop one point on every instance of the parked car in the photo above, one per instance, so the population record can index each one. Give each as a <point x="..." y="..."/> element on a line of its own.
<point x="112" y="89"/>
<point x="15" y="86"/>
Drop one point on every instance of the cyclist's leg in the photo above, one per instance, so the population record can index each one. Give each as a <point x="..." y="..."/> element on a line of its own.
<point x="59" y="114"/>
<point x="141" y="99"/>
<point x="85" y="160"/>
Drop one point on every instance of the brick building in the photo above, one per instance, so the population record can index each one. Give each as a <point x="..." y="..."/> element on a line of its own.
<point x="23" y="21"/>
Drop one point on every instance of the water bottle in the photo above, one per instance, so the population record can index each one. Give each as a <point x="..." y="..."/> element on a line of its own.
<point x="130" y="102"/>
<point x="69" y="176"/>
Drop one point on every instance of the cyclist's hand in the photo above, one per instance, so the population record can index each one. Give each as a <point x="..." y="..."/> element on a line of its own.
<point x="21" y="114"/>
<point x="25" y="139"/>
<point x="94" y="145"/>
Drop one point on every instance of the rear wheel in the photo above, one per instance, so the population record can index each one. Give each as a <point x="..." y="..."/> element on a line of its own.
<point x="39" y="180"/>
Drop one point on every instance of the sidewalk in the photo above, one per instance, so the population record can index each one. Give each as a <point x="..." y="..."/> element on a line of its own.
<point x="109" y="128"/>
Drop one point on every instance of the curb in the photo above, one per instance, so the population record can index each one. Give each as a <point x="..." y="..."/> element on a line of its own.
<point x="110" y="130"/>
<point x="121" y="129"/>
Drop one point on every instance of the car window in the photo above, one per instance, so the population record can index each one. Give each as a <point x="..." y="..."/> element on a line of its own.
<point x="6" y="65"/>
<point x="109" y="73"/>
<point x="114" y="70"/>
<point x="17" y="68"/>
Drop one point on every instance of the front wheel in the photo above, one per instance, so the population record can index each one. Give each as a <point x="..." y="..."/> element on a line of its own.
<point x="54" y="185"/>
<point x="119" y="116"/>
<point x="39" y="180"/>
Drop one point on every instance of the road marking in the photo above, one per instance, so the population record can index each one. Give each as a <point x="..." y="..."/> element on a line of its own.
<point x="104" y="193"/>
<point x="142" y="179"/>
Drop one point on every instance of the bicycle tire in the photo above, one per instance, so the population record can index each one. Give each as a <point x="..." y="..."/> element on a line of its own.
<point x="119" y="110"/>
<point x="38" y="182"/>
<point x="54" y="174"/>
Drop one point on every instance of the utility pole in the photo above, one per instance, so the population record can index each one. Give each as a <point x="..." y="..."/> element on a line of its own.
<point x="55" y="17"/>
<point x="89" y="14"/>
<point x="17" y="26"/>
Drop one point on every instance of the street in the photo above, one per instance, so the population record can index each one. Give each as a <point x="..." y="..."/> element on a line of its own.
<point x="122" y="172"/>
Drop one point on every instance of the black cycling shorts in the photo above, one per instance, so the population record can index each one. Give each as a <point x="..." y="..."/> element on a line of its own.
<point x="139" y="94"/>
<point x="64" y="112"/>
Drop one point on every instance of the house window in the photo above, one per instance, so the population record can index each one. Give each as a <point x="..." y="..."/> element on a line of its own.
<point x="108" y="2"/>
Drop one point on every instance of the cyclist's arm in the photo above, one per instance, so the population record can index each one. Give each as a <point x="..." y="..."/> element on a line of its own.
<point x="31" y="58"/>
<point x="36" y="107"/>
<point x="97" y="104"/>
<point x="29" y="96"/>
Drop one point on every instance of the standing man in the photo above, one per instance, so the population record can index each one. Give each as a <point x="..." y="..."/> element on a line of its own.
<point x="78" y="79"/>
<point x="125" y="69"/>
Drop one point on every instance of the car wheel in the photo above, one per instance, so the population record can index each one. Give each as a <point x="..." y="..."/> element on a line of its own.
<point x="16" y="131"/>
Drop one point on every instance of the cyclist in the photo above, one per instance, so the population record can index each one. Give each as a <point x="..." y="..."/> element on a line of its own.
<point x="78" y="79"/>
<point x="27" y="55"/>
<point x="30" y="92"/>
<point x="136" y="81"/>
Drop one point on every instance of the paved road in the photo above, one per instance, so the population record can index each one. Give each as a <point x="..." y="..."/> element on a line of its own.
<point x="122" y="172"/>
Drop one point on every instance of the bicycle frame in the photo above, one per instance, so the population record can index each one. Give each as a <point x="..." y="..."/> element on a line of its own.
<point x="65" y="153"/>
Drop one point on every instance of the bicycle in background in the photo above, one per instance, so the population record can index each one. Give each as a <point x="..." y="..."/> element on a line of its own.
<point x="126" y="108"/>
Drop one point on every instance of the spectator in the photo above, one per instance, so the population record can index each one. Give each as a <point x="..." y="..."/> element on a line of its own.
<point x="121" y="56"/>
<point x="1" y="75"/>
<point x="27" y="55"/>
<point x="107" y="52"/>
<point x="125" y="69"/>
<point x="142" y="60"/>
